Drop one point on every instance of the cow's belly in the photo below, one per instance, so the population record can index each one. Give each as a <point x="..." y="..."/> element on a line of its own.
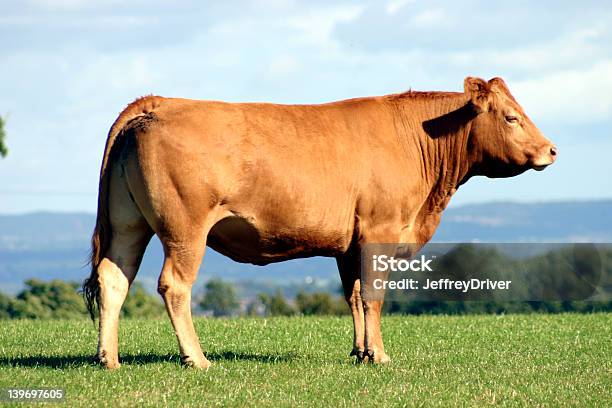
<point x="245" y="240"/>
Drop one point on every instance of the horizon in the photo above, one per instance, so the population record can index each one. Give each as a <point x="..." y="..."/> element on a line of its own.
<point x="456" y="206"/>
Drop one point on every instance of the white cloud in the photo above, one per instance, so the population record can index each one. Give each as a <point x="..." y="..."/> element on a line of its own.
<point x="578" y="48"/>
<point x="395" y="6"/>
<point x="317" y="25"/>
<point x="428" y="18"/>
<point x="61" y="4"/>
<point x="79" y="22"/>
<point x="570" y="95"/>
<point x="283" y="65"/>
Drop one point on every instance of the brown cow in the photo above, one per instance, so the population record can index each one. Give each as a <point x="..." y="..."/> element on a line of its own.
<point x="264" y="183"/>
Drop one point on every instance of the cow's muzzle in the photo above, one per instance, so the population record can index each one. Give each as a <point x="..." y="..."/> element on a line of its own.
<point x="546" y="159"/>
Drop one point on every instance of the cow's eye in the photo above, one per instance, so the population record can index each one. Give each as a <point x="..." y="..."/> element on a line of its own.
<point x="512" y="119"/>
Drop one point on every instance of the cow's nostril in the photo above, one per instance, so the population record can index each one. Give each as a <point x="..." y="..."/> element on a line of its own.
<point x="553" y="151"/>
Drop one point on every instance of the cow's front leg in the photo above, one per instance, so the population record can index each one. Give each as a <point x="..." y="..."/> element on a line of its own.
<point x="349" y="274"/>
<point x="374" y="348"/>
<point x="373" y="245"/>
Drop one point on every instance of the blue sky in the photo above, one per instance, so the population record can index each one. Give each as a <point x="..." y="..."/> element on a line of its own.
<point x="68" y="67"/>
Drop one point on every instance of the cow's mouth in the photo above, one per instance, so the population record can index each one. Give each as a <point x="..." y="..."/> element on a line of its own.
<point x="541" y="167"/>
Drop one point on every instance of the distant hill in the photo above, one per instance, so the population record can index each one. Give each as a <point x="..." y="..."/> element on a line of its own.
<point x="564" y="221"/>
<point x="55" y="245"/>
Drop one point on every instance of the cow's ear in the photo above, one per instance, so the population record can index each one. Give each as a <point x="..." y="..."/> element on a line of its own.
<point x="499" y="85"/>
<point x="478" y="91"/>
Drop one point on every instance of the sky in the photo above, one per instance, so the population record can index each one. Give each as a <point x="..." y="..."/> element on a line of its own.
<point x="68" y="67"/>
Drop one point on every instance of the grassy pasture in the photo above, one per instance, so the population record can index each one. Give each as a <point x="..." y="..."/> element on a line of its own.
<point x="514" y="360"/>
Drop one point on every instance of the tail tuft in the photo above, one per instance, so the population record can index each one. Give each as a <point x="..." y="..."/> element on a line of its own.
<point x="91" y="286"/>
<point x="91" y="291"/>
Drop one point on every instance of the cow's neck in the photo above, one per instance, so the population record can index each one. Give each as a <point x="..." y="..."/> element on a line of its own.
<point x="436" y="126"/>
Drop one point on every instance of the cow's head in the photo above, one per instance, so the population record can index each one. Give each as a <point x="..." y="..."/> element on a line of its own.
<point x="503" y="141"/>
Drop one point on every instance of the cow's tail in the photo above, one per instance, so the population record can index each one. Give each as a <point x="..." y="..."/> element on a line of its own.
<point x="101" y="238"/>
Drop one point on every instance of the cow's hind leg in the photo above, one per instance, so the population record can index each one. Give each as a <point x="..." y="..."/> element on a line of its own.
<point x="178" y="275"/>
<point x="118" y="267"/>
<point x="116" y="273"/>
<point x="349" y="274"/>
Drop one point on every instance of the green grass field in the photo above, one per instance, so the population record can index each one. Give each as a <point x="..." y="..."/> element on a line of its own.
<point x="525" y="360"/>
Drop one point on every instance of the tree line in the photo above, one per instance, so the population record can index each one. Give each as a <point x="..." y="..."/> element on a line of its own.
<point x="221" y="299"/>
<point x="572" y="278"/>
<point x="58" y="299"/>
<point x="573" y="274"/>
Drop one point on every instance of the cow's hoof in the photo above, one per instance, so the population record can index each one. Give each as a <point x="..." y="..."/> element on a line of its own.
<point x="357" y="353"/>
<point x="201" y="363"/>
<point x="376" y="357"/>
<point x="106" y="362"/>
<point x="112" y="365"/>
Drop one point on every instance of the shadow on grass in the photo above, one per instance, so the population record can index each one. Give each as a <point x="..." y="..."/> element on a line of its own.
<point x="139" y="359"/>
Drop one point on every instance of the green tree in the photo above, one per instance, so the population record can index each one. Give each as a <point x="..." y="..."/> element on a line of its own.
<point x="5" y="303"/>
<point x="59" y="299"/>
<point x="55" y="299"/>
<point x="141" y="304"/>
<point x="276" y="304"/>
<point x="3" y="148"/>
<point x="320" y="303"/>
<point x="220" y="297"/>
